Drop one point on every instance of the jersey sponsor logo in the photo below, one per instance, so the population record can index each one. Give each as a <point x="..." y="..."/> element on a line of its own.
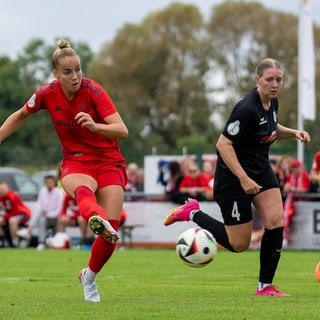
<point x="233" y="128"/>
<point x="32" y="101"/>
<point x="65" y="124"/>
<point x="270" y="138"/>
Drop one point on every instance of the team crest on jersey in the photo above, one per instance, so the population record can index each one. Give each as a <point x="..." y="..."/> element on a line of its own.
<point x="84" y="107"/>
<point x="233" y="128"/>
<point x="32" y="101"/>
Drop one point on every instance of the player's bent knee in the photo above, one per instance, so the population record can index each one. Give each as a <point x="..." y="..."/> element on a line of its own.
<point x="240" y="247"/>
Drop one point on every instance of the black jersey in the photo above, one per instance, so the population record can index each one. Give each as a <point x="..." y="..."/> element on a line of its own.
<point x="251" y="129"/>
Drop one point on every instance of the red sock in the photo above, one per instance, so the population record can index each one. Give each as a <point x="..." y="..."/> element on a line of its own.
<point x="102" y="250"/>
<point x="87" y="203"/>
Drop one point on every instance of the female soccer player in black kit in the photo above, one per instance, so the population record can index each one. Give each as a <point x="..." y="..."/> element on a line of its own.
<point x="243" y="176"/>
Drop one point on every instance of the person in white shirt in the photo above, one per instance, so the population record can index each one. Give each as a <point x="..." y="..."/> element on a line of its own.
<point x="49" y="205"/>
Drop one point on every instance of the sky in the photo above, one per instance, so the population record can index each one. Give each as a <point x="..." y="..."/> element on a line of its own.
<point x="96" y="21"/>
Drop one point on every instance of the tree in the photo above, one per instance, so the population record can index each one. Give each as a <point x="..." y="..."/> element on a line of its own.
<point x="35" y="60"/>
<point x="34" y="143"/>
<point x="171" y="77"/>
<point x="243" y="33"/>
<point x="155" y="73"/>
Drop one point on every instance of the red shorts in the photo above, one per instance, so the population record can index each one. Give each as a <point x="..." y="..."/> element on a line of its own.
<point x="106" y="173"/>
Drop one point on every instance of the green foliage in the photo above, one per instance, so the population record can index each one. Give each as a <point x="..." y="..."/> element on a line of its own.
<point x="158" y="80"/>
<point x="240" y="35"/>
<point x="177" y="70"/>
<point x="36" y="142"/>
<point x="154" y="284"/>
<point x="167" y="75"/>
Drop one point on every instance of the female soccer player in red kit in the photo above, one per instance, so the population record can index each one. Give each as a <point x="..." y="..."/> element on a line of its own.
<point x="93" y="170"/>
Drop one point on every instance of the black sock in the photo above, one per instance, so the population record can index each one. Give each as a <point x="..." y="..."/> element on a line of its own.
<point x="270" y="252"/>
<point x="216" y="227"/>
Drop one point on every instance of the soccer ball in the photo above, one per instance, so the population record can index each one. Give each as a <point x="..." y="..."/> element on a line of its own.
<point x="196" y="247"/>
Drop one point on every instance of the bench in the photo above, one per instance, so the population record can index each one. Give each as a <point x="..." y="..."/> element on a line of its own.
<point x="126" y="234"/>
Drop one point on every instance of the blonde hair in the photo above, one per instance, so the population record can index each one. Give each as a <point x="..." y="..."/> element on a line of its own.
<point x="64" y="50"/>
<point x="266" y="64"/>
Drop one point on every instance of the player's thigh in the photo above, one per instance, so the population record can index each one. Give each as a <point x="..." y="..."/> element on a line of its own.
<point x="239" y="235"/>
<point x="236" y="209"/>
<point x="270" y="207"/>
<point x="72" y="181"/>
<point x="110" y="198"/>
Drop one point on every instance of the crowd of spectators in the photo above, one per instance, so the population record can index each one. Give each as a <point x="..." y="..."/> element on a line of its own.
<point x="294" y="181"/>
<point x="186" y="179"/>
<point x="181" y="179"/>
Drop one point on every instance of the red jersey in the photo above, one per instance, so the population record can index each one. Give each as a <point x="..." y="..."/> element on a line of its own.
<point x="12" y="204"/>
<point x="188" y="181"/>
<point x="302" y="181"/>
<point x="316" y="162"/>
<point x="70" y="207"/>
<point x="77" y="142"/>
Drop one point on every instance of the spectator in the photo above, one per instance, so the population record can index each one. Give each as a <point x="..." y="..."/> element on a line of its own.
<point x="185" y="163"/>
<point x="70" y="216"/>
<point x="123" y="218"/>
<point x="315" y="173"/>
<point x="298" y="181"/>
<point x="15" y="215"/>
<point x="194" y="183"/>
<point x="208" y="169"/>
<point x="282" y="172"/>
<point x="172" y="180"/>
<point x="133" y="177"/>
<point x="49" y="204"/>
<point x="163" y="172"/>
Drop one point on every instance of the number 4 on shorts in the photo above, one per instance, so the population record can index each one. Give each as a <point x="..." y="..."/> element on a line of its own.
<point x="235" y="212"/>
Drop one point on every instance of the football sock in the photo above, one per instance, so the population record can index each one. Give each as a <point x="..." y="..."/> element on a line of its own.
<point x="87" y="203"/>
<point x="261" y="285"/>
<point x="102" y="250"/>
<point x="90" y="276"/>
<point x="216" y="227"/>
<point x="270" y="252"/>
<point x="192" y="213"/>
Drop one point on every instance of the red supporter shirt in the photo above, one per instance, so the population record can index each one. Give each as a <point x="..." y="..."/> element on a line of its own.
<point x="12" y="204"/>
<point x="70" y="207"/>
<point x="188" y="181"/>
<point x="316" y="162"/>
<point x="302" y="181"/>
<point x="77" y="142"/>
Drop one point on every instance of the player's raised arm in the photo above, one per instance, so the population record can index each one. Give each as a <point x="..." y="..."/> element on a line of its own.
<point x="13" y="122"/>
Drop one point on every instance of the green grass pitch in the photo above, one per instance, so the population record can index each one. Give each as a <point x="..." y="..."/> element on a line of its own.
<point x="154" y="284"/>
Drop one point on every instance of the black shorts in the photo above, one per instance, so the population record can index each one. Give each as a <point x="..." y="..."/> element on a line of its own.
<point x="235" y="204"/>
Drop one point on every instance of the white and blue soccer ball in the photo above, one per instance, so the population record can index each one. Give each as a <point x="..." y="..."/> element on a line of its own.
<point x="196" y="247"/>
